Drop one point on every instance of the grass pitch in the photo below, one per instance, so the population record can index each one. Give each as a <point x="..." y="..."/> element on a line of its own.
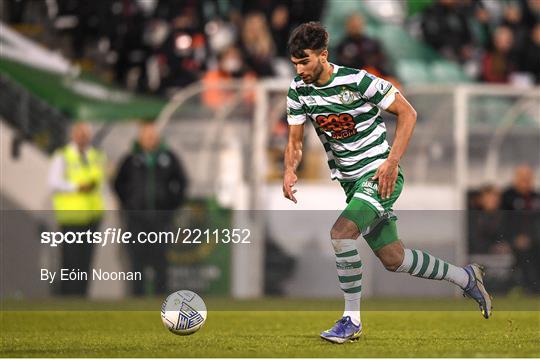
<point x="105" y="331"/>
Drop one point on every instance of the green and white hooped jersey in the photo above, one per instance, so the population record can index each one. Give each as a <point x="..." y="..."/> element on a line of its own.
<point x="346" y="115"/>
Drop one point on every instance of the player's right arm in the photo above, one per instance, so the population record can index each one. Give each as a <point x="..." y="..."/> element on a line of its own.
<point x="293" y="156"/>
<point x="296" y="118"/>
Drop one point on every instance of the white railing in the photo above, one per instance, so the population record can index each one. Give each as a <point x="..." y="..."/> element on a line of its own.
<point x="460" y="98"/>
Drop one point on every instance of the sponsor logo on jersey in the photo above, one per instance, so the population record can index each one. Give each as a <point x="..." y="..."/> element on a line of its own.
<point x="369" y="187"/>
<point x="340" y="126"/>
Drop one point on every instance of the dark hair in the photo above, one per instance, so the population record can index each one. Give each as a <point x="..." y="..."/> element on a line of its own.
<point x="311" y="35"/>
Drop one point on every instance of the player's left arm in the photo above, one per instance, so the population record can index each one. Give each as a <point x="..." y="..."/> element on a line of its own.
<point x="387" y="173"/>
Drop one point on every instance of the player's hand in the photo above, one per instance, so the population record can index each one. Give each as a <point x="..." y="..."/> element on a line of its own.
<point x="289" y="180"/>
<point x="386" y="177"/>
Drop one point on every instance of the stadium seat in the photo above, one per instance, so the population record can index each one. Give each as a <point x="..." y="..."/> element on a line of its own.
<point x="414" y="61"/>
<point x="443" y="71"/>
<point x="413" y="71"/>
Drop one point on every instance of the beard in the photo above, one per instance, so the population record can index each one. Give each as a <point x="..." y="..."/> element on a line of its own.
<point x="316" y="74"/>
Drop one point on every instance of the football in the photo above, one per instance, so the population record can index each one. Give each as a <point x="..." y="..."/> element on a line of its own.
<point x="183" y="312"/>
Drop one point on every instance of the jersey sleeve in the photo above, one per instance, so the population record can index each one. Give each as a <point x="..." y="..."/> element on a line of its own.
<point x="295" y="111"/>
<point x="377" y="91"/>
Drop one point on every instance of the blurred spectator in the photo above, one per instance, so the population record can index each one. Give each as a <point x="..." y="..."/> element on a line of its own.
<point x="480" y="21"/>
<point x="257" y="45"/>
<point x="531" y="12"/>
<point x="359" y="51"/>
<point x="76" y="178"/>
<point x="298" y="11"/>
<point x="498" y="64"/>
<point x="132" y="52"/>
<point x="183" y="55"/>
<point x="486" y="224"/>
<point x="283" y="16"/>
<point x="151" y="184"/>
<point x="512" y="19"/>
<point x="230" y="67"/>
<point x="264" y="7"/>
<point x="524" y="226"/>
<point x="281" y="28"/>
<point x="151" y="45"/>
<point x="445" y="27"/>
<point x="172" y="10"/>
<point x="530" y="59"/>
<point x="521" y="195"/>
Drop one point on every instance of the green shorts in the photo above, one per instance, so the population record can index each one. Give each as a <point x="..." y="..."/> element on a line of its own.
<point x="372" y="214"/>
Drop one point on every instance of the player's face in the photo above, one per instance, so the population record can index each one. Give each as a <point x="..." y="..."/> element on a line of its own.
<point x="310" y="68"/>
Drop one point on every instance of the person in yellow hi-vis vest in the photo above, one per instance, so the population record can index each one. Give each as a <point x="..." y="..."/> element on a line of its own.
<point x="76" y="179"/>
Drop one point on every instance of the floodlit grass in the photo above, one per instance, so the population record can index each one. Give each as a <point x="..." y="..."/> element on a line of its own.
<point x="446" y="330"/>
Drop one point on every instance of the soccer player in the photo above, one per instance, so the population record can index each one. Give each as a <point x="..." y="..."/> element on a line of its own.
<point x="344" y="105"/>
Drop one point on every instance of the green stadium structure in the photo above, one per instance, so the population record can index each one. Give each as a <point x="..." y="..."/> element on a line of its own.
<point x="80" y="97"/>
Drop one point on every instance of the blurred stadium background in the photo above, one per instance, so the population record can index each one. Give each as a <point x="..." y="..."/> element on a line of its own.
<point x="213" y="76"/>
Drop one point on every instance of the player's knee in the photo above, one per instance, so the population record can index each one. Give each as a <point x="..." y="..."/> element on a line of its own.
<point x="391" y="265"/>
<point x="391" y="260"/>
<point x="338" y="234"/>
<point x="344" y="231"/>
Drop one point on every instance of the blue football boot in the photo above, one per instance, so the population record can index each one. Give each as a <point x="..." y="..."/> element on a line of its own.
<point x="342" y="331"/>
<point x="476" y="290"/>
